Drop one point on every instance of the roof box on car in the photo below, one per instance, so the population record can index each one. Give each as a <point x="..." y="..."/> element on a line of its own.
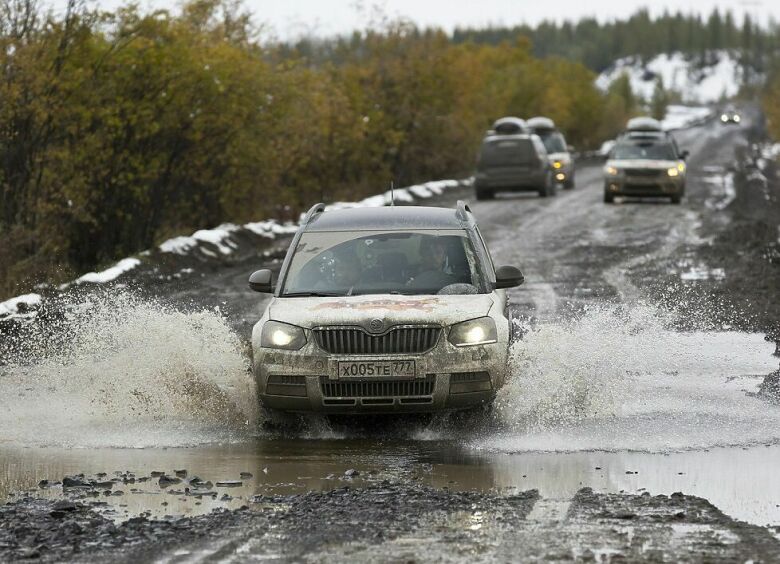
<point x="510" y="126"/>
<point x="644" y="124"/>
<point x="540" y="123"/>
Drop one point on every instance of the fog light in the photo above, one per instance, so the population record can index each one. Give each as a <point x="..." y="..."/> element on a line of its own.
<point x="560" y="177"/>
<point x="613" y="187"/>
<point x="557" y="164"/>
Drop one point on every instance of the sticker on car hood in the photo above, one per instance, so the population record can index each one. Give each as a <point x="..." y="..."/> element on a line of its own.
<point x="641" y="163"/>
<point x="425" y="304"/>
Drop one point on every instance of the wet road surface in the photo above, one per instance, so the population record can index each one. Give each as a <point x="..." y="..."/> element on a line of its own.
<point x="610" y="392"/>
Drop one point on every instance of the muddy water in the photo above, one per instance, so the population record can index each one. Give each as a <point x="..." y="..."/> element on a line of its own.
<point x="616" y="400"/>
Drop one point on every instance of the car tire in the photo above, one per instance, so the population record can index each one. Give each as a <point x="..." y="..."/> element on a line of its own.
<point x="609" y="198"/>
<point x="485" y="194"/>
<point x="548" y="189"/>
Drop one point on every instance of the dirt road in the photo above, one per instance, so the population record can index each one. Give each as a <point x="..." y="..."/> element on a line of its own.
<point x="632" y="428"/>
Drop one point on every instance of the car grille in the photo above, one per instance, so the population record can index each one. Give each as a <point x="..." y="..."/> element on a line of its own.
<point x="376" y="388"/>
<point x="645" y="172"/>
<point x="400" y="340"/>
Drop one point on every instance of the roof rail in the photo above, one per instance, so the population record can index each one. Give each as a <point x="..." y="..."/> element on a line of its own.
<point x="315" y="209"/>
<point x="462" y="210"/>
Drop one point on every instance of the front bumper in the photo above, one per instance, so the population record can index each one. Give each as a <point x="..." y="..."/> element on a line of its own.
<point x="659" y="187"/>
<point x="447" y="378"/>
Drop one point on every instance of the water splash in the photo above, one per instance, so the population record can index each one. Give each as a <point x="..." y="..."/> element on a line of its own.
<point x="622" y="378"/>
<point x="122" y="371"/>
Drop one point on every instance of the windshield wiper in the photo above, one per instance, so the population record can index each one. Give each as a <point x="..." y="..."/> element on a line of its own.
<point x="311" y="295"/>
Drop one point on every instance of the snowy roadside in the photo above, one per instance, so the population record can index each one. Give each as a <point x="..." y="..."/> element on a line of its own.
<point x="221" y="242"/>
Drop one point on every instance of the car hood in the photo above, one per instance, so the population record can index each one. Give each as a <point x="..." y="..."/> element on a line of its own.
<point x="391" y="309"/>
<point x="641" y="163"/>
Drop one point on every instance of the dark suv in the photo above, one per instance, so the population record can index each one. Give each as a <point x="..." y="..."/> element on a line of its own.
<point x="515" y="161"/>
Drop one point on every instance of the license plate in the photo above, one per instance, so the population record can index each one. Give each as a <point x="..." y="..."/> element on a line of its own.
<point x="377" y="369"/>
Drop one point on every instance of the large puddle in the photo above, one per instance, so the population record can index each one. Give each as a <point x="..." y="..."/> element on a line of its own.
<point x="616" y="400"/>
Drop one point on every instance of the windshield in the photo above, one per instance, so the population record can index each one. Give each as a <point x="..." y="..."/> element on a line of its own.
<point x="343" y="263"/>
<point x="656" y="151"/>
<point x="553" y="141"/>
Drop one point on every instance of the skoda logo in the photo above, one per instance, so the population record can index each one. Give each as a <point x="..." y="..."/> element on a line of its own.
<point x="376" y="325"/>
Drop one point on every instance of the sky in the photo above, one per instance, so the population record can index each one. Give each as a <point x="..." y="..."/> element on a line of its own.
<point x="291" y="19"/>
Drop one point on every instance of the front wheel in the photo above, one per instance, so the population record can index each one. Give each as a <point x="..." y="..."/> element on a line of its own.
<point x="548" y="189"/>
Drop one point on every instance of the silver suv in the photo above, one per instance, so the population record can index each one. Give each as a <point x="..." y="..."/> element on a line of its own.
<point x="380" y="310"/>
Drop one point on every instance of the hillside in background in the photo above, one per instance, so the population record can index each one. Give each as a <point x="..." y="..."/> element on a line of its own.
<point x="689" y="79"/>
<point x="599" y="44"/>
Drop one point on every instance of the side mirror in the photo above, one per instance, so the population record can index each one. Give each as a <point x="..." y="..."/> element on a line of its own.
<point x="508" y="277"/>
<point x="260" y="281"/>
<point x="684" y="154"/>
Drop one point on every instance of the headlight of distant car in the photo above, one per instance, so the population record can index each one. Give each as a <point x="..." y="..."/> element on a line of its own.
<point x="672" y="172"/>
<point x="611" y="171"/>
<point x="724" y="117"/>
<point x="480" y="331"/>
<point x="557" y="164"/>
<point x="736" y="119"/>
<point x="277" y="335"/>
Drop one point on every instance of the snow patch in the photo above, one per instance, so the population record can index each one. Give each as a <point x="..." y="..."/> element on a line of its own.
<point x="719" y="78"/>
<point x="109" y="274"/>
<point x="702" y="273"/>
<point x="770" y="151"/>
<point x="724" y="192"/>
<point x="678" y="117"/>
<point x="11" y="307"/>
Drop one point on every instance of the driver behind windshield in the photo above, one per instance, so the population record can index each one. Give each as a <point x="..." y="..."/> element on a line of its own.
<point x="434" y="268"/>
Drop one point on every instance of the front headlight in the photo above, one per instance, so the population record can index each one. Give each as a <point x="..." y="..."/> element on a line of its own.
<point x="278" y="335"/>
<point x="736" y="119"/>
<point x="611" y="171"/>
<point x="480" y="331"/>
<point x="724" y="117"/>
<point x="672" y="172"/>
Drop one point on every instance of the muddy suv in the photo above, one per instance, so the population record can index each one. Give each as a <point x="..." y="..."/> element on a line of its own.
<point x="383" y="310"/>
<point x="645" y="162"/>
<point x="512" y="159"/>
<point x="558" y="151"/>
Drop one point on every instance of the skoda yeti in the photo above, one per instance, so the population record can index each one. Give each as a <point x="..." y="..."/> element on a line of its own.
<point x="383" y="310"/>
<point x="645" y="162"/>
